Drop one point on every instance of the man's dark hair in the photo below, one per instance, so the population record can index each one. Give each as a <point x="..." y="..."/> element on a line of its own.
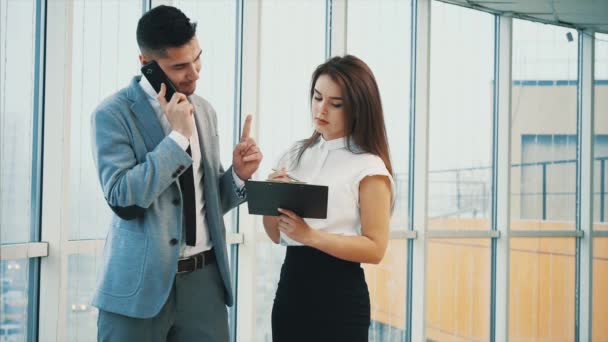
<point x="163" y="27"/>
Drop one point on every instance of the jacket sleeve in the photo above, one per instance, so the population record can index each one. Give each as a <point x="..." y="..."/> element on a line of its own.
<point x="130" y="186"/>
<point x="230" y="195"/>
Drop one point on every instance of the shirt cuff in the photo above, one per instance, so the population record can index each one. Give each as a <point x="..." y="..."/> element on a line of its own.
<point x="237" y="181"/>
<point x="239" y="188"/>
<point x="180" y="139"/>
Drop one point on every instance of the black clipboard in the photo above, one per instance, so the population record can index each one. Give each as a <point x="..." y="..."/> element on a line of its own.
<point x="306" y="200"/>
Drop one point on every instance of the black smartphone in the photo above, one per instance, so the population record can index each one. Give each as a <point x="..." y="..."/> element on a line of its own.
<point x="156" y="76"/>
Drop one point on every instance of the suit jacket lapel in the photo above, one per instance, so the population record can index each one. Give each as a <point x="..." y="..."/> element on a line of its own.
<point x="201" y="120"/>
<point x="144" y="113"/>
<point x="205" y="132"/>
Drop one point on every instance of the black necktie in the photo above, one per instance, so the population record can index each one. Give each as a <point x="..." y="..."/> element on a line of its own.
<point x="186" y="181"/>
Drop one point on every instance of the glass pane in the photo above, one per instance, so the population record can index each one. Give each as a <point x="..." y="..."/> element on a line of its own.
<point x="600" y="284"/>
<point x="284" y="83"/>
<point x="386" y="283"/>
<point x="390" y="19"/>
<point x="366" y="21"/>
<point x="103" y="35"/>
<point x="17" y="49"/>
<point x="458" y="291"/>
<point x="81" y="317"/>
<point x="600" y="208"/>
<point x="461" y="98"/>
<point x="13" y="300"/>
<point x="269" y="260"/>
<point x="543" y="122"/>
<point x="541" y="289"/>
<point x="284" y="114"/>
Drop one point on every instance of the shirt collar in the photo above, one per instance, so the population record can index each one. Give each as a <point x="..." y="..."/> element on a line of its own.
<point x="147" y="87"/>
<point x="333" y="144"/>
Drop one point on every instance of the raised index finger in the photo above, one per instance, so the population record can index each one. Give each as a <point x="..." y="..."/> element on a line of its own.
<point x="246" y="128"/>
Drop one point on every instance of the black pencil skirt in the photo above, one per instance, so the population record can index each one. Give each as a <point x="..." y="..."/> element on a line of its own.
<point x="320" y="298"/>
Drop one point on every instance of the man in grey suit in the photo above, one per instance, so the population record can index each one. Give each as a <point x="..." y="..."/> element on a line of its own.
<point x="165" y="273"/>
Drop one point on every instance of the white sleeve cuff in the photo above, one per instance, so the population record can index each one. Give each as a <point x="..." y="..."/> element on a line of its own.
<point x="237" y="181"/>
<point x="180" y="139"/>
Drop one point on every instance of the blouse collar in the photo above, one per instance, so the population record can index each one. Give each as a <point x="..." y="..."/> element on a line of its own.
<point x="333" y="144"/>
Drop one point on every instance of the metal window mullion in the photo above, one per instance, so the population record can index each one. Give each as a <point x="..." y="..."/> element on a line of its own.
<point x="328" y="40"/>
<point x="29" y="250"/>
<point x="499" y="325"/>
<point x="36" y="186"/>
<point x="402" y="235"/>
<point x="336" y="28"/>
<point x="146" y="5"/>
<point x="546" y="233"/>
<point x="55" y="162"/>
<point x="600" y="233"/>
<point x="38" y="124"/>
<point x="462" y="234"/>
<point x="149" y="4"/>
<point x="247" y="85"/>
<point x="584" y="208"/>
<point x="418" y="170"/>
<point x="235" y="239"/>
<point x="602" y="189"/>
<point x="236" y="124"/>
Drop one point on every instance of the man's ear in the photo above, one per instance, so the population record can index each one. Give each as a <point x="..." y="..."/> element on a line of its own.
<point x="143" y="60"/>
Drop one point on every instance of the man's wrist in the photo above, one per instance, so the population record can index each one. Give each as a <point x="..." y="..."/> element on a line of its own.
<point x="237" y="180"/>
<point x="180" y="139"/>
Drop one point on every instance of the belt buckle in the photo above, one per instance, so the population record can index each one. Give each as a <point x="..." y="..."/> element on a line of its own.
<point x="187" y="270"/>
<point x="196" y="262"/>
<point x="182" y="272"/>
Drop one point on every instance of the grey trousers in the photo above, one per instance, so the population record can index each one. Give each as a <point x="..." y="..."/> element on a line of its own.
<point x="194" y="311"/>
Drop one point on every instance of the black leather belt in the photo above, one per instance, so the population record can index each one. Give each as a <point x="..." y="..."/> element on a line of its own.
<point x="194" y="262"/>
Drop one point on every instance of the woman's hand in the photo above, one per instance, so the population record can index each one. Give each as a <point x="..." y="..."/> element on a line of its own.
<point x="272" y="223"/>
<point x="279" y="176"/>
<point x="294" y="227"/>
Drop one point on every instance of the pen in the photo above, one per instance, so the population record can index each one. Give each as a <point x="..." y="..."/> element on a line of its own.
<point x="288" y="176"/>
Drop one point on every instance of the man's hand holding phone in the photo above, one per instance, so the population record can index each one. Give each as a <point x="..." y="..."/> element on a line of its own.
<point x="178" y="111"/>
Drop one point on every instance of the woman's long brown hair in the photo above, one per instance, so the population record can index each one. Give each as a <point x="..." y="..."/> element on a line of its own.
<point x="364" y="118"/>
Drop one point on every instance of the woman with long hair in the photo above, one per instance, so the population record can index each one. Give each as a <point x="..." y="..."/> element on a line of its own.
<point x="322" y="294"/>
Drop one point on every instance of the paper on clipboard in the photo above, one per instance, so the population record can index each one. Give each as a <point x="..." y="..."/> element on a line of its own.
<point x="306" y="200"/>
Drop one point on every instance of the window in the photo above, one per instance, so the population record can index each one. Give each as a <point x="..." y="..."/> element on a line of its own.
<point x="460" y="172"/>
<point x="104" y="59"/>
<point x="389" y="60"/>
<point x="543" y="181"/>
<point x="103" y="53"/>
<point x="291" y="47"/>
<point x="18" y="151"/>
<point x="543" y="104"/>
<point x="600" y="204"/>
<point x="17" y="94"/>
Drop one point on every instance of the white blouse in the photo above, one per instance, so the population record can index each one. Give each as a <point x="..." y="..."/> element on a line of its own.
<point x="331" y="163"/>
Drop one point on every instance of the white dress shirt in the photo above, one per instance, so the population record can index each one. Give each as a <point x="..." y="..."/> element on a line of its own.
<point x="203" y="240"/>
<point x="331" y="163"/>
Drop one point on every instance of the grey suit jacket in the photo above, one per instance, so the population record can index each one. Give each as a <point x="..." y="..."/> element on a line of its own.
<point x="138" y="168"/>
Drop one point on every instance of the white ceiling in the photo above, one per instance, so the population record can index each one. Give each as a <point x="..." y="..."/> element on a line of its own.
<point x="582" y="14"/>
